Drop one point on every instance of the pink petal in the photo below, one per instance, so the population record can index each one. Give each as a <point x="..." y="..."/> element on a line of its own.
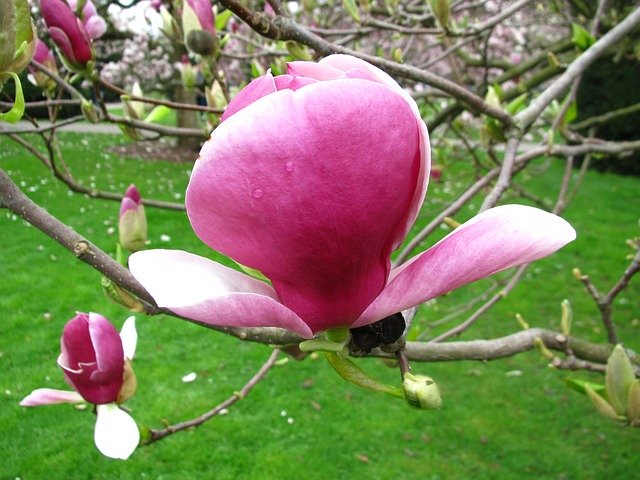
<point x="257" y="89"/>
<point x="312" y="188"/>
<point x="49" y="396"/>
<point x="345" y="63"/>
<point x="313" y="70"/>
<point x="497" y="239"/>
<point x="62" y="41"/>
<point x="206" y="291"/>
<point x="109" y="352"/>
<point x="354" y="67"/>
<point x="290" y="82"/>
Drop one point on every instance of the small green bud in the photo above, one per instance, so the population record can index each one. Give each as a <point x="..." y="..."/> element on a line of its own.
<point x="618" y="378"/>
<point x="542" y="348"/>
<point x="565" y="320"/>
<point x="421" y="392"/>
<point x="297" y="51"/>
<point x="89" y="111"/>
<point x="633" y="404"/>
<point x="441" y="10"/>
<point x="201" y="42"/>
<point x="132" y="222"/>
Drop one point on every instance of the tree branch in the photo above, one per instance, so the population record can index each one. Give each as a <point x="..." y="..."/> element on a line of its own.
<point x="526" y="117"/>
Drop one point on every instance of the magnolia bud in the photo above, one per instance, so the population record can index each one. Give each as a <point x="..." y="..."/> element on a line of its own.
<point x="421" y="392"/>
<point x="132" y="224"/>
<point x="68" y="32"/>
<point x="201" y="42"/>
<point x="89" y="111"/>
<point x="92" y="357"/>
<point x="618" y="377"/>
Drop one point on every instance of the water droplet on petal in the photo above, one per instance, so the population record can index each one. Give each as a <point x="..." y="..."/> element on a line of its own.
<point x="289" y="167"/>
<point x="257" y="193"/>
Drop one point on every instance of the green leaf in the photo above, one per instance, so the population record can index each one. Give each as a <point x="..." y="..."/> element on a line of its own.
<point x="222" y="19"/>
<point x="254" y="273"/>
<point x="580" y="386"/>
<point x="17" y="110"/>
<point x="159" y="114"/>
<point x="571" y="113"/>
<point x="354" y="374"/>
<point x="581" y="38"/>
<point x="321" y="345"/>
<point x="517" y="104"/>
<point x="618" y="378"/>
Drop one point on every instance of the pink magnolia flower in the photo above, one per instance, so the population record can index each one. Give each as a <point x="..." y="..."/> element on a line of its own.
<point x="132" y="223"/>
<point x="94" y="360"/>
<point x="314" y="178"/>
<point x="93" y="23"/>
<point x="67" y="31"/>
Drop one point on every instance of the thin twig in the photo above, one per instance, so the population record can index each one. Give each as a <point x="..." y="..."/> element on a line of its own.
<point x="158" y="434"/>
<point x="458" y="329"/>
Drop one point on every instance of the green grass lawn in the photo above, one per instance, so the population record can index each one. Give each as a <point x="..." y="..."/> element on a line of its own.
<point x="493" y="425"/>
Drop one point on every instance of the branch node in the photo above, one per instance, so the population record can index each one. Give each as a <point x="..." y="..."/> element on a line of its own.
<point x="81" y="248"/>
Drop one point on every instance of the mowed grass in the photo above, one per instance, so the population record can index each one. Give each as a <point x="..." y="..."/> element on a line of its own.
<point x="303" y="421"/>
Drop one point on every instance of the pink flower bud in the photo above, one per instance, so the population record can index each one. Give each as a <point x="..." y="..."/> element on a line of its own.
<point x="68" y="32"/>
<point x="93" y="23"/>
<point x="92" y="358"/>
<point x="132" y="223"/>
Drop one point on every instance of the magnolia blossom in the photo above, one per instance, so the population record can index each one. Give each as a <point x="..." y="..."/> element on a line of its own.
<point x="68" y="32"/>
<point x="198" y="26"/>
<point x="96" y="360"/>
<point x="132" y="223"/>
<point x="314" y="178"/>
<point x="93" y="23"/>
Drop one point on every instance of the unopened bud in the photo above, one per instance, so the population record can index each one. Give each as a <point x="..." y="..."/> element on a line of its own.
<point x="298" y="51"/>
<point x="441" y="10"/>
<point x="565" y="320"/>
<point x="201" y="42"/>
<point x="421" y="392"/>
<point x="633" y="407"/>
<point x="89" y="111"/>
<point x="451" y="223"/>
<point x="522" y="322"/>
<point x="132" y="224"/>
<point x="618" y="378"/>
<point x="542" y="348"/>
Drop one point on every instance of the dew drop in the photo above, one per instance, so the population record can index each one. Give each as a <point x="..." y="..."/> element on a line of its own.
<point x="289" y="167"/>
<point x="257" y="193"/>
